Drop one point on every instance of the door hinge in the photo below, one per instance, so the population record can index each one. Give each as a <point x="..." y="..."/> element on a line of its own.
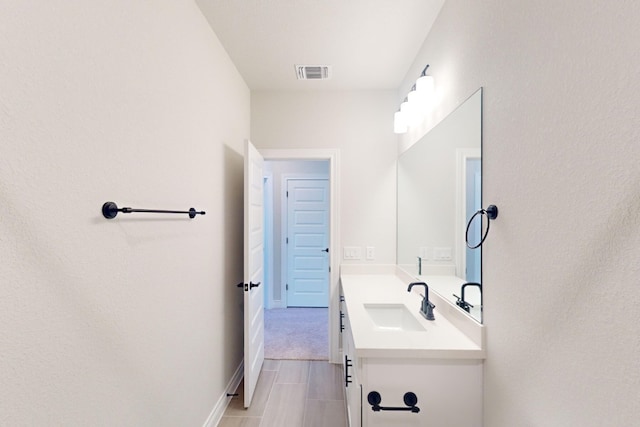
<point x="287" y="286"/>
<point x="287" y="240"/>
<point x="287" y="193"/>
<point x="329" y="269"/>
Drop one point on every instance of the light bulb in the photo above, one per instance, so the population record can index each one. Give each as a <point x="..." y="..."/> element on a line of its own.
<point x="410" y="112"/>
<point x="418" y="104"/>
<point x="425" y="85"/>
<point x="399" y="123"/>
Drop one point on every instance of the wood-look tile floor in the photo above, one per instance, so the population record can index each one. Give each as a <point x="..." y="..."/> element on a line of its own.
<point x="291" y="393"/>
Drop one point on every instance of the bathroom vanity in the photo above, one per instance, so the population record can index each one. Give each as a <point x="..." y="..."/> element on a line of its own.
<point x="402" y="369"/>
<point x="393" y="356"/>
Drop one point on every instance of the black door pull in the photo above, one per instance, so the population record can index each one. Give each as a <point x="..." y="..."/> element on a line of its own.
<point x="325" y="250"/>
<point x="347" y="365"/>
<point x="253" y="285"/>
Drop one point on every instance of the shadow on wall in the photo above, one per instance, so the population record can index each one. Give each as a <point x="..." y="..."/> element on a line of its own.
<point x="232" y="242"/>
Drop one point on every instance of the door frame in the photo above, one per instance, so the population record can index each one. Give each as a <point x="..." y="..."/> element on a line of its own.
<point x="333" y="156"/>
<point x="284" y="228"/>
<point x="462" y="155"/>
<point x="268" y="240"/>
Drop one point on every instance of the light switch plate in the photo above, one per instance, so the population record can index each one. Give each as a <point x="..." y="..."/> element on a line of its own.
<point x="352" y="253"/>
<point x="442" y="254"/>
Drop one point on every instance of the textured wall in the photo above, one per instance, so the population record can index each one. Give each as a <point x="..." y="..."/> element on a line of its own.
<point x="360" y="124"/>
<point x="133" y="321"/>
<point x="560" y="266"/>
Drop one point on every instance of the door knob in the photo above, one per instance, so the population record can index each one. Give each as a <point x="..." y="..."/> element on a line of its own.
<point x="325" y="250"/>
<point x="253" y="285"/>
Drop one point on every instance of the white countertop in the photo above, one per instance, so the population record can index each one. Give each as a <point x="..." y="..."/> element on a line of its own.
<point x="441" y="339"/>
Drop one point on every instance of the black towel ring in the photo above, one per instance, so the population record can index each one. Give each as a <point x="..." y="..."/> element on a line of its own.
<point x="492" y="213"/>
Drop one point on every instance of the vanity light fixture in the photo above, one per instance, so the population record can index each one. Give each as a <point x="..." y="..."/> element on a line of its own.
<point x="412" y="108"/>
<point x="399" y="123"/>
<point x="416" y="104"/>
<point x="425" y="85"/>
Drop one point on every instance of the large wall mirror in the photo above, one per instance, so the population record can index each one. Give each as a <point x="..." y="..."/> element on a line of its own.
<point x="439" y="189"/>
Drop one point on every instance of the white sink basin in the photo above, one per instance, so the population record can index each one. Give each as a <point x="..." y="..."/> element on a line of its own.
<point x="392" y="317"/>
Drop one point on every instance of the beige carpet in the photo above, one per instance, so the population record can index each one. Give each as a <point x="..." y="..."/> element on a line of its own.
<point x="296" y="333"/>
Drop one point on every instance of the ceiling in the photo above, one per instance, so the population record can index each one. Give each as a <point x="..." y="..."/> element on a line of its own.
<point x="370" y="44"/>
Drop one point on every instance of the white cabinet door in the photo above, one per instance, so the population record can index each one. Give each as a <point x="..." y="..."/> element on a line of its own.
<point x="449" y="392"/>
<point x="353" y="391"/>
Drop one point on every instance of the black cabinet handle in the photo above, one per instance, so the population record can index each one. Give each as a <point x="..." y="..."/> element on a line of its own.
<point x="347" y="365"/>
<point x="253" y="285"/>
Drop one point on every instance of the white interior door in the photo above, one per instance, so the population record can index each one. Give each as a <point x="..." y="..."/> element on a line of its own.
<point x="308" y="243"/>
<point x="253" y="270"/>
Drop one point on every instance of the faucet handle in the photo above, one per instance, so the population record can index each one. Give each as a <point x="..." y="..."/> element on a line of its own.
<point x="430" y="303"/>
<point x="427" y="309"/>
<point x="462" y="303"/>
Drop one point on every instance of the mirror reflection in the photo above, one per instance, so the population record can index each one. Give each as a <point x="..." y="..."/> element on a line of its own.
<point x="439" y="189"/>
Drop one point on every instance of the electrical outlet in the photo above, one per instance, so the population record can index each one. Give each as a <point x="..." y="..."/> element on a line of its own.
<point x="371" y="253"/>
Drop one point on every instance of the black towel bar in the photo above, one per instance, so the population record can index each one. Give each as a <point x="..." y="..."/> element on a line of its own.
<point x="110" y="210"/>
<point x="410" y="399"/>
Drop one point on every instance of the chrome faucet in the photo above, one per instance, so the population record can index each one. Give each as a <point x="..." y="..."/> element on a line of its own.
<point x="426" y="309"/>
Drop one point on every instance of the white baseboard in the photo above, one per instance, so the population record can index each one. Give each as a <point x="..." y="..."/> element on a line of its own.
<point x="278" y="304"/>
<point x="218" y="410"/>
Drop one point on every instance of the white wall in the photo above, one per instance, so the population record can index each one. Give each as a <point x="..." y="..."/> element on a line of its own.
<point x="360" y="125"/>
<point x="560" y="266"/>
<point x="134" y="321"/>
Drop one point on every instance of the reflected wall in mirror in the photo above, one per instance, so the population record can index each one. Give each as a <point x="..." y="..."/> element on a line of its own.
<point x="439" y="188"/>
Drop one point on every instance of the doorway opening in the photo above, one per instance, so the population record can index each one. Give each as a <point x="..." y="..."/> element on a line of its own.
<point x="297" y="210"/>
<point x="301" y="239"/>
<point x="297" y="228"/>
<point x="473" y="194"/>
<point x="468" y="201"/>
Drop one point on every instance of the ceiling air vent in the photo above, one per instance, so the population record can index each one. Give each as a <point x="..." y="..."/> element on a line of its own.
<point x="313" y="72"/>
